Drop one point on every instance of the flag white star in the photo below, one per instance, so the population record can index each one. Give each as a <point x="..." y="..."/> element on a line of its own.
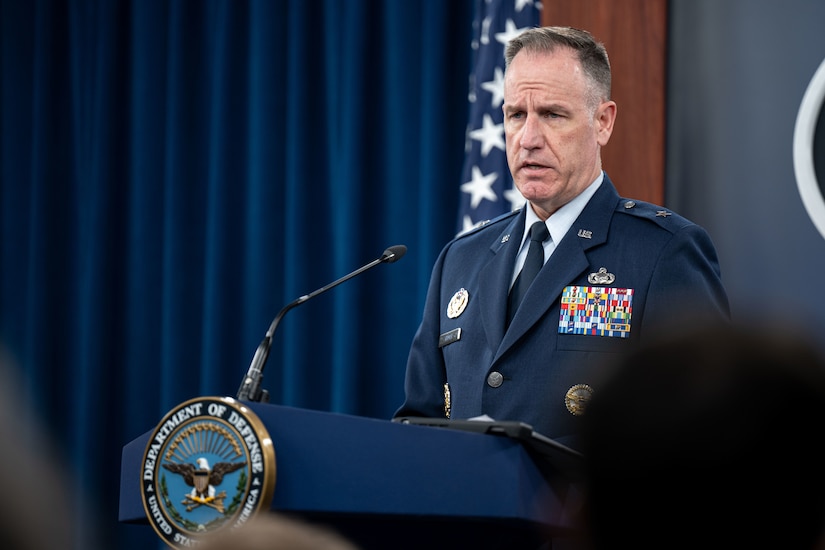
<point x="495" y="87"/>
<point x="510" y="32"/>
<point x="490" y="135"/>
<point x="485" y="30"/>
<point x="521" y="4"/>
<point x="480" y="187"/>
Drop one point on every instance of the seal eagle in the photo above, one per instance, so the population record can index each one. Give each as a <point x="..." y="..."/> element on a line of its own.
<point x="203" y="479"/>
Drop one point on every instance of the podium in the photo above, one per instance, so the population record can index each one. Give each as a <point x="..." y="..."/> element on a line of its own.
<point x="386" y="484"/>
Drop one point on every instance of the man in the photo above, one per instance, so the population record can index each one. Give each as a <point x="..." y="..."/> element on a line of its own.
<point x="615" y="268"/>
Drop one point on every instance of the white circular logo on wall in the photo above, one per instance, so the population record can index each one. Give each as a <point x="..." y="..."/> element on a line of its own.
<point x="804" y="163"/>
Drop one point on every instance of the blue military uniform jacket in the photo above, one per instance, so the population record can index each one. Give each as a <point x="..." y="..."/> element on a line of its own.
<point x="624" y="265"/>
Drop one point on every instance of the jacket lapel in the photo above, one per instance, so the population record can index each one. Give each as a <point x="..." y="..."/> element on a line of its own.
<point x="567" y="263"/>
<point x="494" y="280"/>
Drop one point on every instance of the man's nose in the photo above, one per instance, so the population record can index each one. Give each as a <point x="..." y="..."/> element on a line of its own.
<point x="531" y="133"/>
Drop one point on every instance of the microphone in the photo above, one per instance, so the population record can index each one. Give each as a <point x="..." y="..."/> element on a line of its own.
<point x="250" y="389"/>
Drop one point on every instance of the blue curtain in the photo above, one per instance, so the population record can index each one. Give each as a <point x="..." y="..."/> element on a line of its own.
<point x="174" y="172"/>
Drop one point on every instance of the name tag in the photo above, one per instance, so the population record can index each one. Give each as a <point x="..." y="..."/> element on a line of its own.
<point x="449" y="337"/>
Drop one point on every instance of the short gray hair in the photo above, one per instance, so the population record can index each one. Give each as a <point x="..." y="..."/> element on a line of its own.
<point x="591" y="54"/>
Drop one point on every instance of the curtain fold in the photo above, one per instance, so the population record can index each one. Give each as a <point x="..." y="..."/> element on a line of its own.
<point x="175" y="172"/>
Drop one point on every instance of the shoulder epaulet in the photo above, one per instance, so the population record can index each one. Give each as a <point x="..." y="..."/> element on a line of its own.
<point x="487" y="223"/>
<point x="660" y="215"/>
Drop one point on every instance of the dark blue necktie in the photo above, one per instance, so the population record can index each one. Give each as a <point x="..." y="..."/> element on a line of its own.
<point x="532" y="266"/>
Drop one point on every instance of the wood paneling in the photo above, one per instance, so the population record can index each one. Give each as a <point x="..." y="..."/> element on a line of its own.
<point x="635" y="35"/>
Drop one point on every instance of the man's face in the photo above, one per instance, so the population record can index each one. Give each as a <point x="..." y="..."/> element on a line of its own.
<point x="553" y="134"/>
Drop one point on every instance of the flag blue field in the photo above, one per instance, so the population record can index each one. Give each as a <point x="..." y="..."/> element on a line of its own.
<point x="486" y="186"/>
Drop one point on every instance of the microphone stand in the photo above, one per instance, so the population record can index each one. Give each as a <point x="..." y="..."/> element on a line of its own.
<point x="250" y="389"/>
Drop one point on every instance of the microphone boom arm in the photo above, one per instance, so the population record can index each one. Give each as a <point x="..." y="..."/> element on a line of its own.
<point x="250" y="389"/>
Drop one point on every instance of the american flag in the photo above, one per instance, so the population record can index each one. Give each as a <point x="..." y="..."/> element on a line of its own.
<point x="487" y="188"/>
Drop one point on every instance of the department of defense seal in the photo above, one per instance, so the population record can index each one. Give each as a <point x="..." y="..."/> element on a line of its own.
<point x="209" y="464"/>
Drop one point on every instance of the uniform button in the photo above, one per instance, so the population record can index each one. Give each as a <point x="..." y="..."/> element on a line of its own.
<point x="494" y="379"/>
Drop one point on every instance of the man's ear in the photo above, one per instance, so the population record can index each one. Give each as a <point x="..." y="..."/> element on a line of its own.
<point x="605" y="117"/>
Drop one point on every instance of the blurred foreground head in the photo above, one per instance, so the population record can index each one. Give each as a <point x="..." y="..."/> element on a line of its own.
<point x="39" y="497"/>
<point x="269" y="531"/>
<point x="709" y="438"/>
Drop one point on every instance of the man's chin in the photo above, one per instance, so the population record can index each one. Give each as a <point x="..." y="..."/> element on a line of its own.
<point x="537" y="191"/>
